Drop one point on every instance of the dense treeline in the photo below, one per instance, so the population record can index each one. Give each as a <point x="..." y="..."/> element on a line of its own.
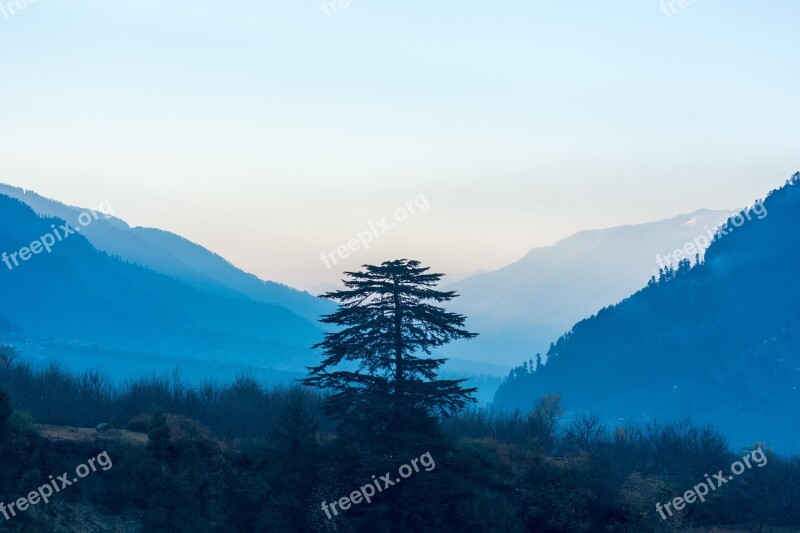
<point x="244" y="408"/>
<point x="270" y="466"/>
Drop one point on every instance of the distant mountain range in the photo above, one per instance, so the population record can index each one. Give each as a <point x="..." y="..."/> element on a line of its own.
<point x="179" y="302"/>
<point x="127" y="298"/>
<point x="521" y="308"/>
<point x="719" y="341"/>
<point x="175" y="256"/>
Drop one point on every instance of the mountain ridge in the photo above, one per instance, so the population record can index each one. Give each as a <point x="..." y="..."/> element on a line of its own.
<point x="521" y="308"/>
<point x="176" y="256"/>
<point x="713" y="341"/>
<point x="77" y="293"/>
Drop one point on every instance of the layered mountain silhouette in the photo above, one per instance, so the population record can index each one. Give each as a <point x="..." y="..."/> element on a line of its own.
<point x="522" y="308"/>
<point x="175" y="256"/>
<point x="77" y="295"/>
<point x="719" y="341"/>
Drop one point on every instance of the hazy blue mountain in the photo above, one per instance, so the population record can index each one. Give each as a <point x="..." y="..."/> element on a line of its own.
<point x="454" y="277"/>
<point x="719" y="341"/>
<point x="79" y="295"/>
<point x="175" y="256"/>
<point x="523" y="307"/>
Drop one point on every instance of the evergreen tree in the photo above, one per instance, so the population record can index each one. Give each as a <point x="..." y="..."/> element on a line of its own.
<point x="377" y="361"/>
<point x="384" y="389"/>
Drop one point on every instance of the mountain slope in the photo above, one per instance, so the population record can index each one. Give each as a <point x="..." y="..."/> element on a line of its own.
<point x="175" y="256"/>
<point x="78" y="294"/>
<point x="719" y="341"/>
<point x="521" y="308"/>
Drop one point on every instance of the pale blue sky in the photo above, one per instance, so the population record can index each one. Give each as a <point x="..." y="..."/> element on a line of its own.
<point x="269" y="132"/>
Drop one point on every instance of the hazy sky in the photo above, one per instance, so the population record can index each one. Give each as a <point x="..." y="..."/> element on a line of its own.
<point x="270" y="132"/>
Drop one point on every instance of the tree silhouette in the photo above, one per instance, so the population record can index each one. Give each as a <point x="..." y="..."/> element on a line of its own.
<point x="377" y="366"/>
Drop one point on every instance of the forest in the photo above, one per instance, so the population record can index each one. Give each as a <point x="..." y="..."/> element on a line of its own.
<point x="244" y="457"/>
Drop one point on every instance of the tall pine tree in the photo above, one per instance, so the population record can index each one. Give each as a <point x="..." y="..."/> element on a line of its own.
<point x="377" y="365"/>
<point x="379" y="370"/>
